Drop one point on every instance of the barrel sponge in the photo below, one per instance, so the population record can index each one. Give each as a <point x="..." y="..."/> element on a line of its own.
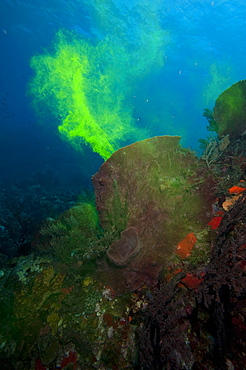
<point x="154" y="193"/>
<point x="230" y="111"/>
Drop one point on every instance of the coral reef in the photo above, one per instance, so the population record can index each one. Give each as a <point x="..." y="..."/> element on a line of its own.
<point x="163" y="338"/>
<point x="227" y="163"/>
<point x="56" y="317"/>
<point x="161" y="286"/>
<point x="190" y="321"/>
<point x="225" y="278"/>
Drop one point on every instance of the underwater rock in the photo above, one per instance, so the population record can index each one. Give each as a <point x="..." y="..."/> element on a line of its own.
<point x="152" y="193"/>
<point x="230" y="111"/>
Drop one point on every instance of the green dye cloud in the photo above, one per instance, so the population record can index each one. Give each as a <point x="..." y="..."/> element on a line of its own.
<point x="86" y="85"/>
<point x="220" y="75"/>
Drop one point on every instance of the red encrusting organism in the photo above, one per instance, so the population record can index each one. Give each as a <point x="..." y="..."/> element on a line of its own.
<point x="186" y="245"/>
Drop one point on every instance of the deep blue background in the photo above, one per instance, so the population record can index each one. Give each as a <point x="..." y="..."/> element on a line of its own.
<point x="202" y="34"/>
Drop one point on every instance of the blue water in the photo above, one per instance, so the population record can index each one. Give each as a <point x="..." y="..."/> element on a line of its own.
<point x="203" y="54"/>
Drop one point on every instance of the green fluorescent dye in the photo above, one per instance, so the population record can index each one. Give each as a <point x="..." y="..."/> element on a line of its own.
<point x="64" y="82"/>
<point x="87" y="86"/>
